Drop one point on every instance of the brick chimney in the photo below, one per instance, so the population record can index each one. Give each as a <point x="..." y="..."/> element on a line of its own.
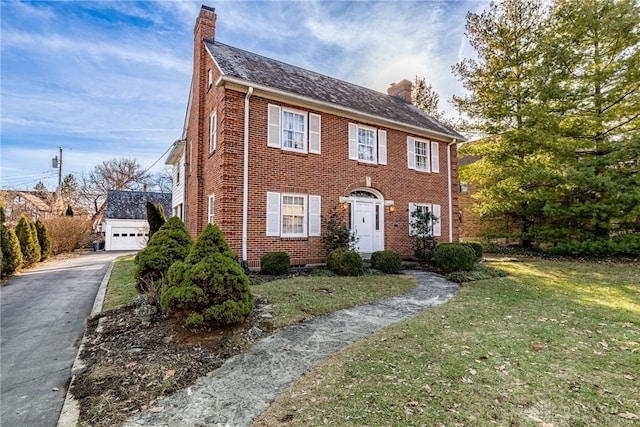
<point x="205" y="24"/>
<point x="401" y="89"/>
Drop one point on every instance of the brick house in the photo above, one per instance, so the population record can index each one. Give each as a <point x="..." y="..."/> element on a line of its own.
<point x="271" y="149"/>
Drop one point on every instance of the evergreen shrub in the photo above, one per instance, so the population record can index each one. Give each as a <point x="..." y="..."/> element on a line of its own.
<point x="155" y="218"/>
<point x="478" y="249"/>
<point x="452" y="257"/>
<point x="209" y="287"/>
<point x="11" y="253"/>
<point x="344" y="262"/>
<point x="169" y="244"/>
<point x="44" y="239"/>
<point x="624" y="245"/>
<point x="275" y="263"/>
<point x="28" y="237"/>
<point x="389" y="262"/>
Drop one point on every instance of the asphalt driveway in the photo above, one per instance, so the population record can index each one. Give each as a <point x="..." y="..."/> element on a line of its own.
<point x="42" y="314"/>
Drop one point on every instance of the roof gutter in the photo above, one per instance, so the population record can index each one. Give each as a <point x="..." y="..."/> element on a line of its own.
<point x="331" y="106"/>
<point x="245" y="181"/>
<point x="450" y="189"/>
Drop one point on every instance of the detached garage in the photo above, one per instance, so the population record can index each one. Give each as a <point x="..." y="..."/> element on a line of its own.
<point x="125" y="223"/>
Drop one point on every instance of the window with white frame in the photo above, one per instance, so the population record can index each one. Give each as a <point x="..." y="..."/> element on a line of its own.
<point x="464" y="187"/>
<point x="423" y="155"/>
<point x="367" y="144"/>
<point x="213" y="124"/>
<point x="293" y="130"/>
<point x="210" y="209"/>
<point x="293" y="215"/>
<point x="436" y="229"/>
<point x="210" y="77"/>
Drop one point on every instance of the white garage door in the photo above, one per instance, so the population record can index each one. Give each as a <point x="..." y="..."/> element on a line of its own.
<point x="128" y="238"/>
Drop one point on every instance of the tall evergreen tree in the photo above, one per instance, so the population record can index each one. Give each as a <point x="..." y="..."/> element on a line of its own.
<point x="44" y="239"/>
<point x="516" y="168"/>
<point x="595" y="73"/>
<point x="10" y="255"/>
<point x="155" y="218"/>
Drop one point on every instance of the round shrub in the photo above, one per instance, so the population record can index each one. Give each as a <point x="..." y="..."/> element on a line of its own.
<point x="209" y="287"/>
<point x="452" y="257"/>
<point x="389" y="262"/>
<point x="478" y="249"/>
<point x="344" y="262"/>
<point x="275" y="263"/>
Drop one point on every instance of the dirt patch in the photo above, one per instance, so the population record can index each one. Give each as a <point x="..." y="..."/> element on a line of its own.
<point x="129" y="365"/>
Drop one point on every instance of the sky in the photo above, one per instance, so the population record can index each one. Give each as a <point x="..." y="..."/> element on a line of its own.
<point x="110" y="79"/>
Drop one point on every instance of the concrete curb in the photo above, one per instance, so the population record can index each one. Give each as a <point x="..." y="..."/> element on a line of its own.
<point x="70" y="408"/>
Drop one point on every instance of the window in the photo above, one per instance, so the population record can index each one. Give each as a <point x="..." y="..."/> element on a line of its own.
<point x="210" y="205"/>
<point x="435" y="210"/>
<point x="423" y="155"/>
<point x="367" y="145"/>
<point x="210" y="76"/>
<point x="212" y="132"/>
<point x="464" y="187"/>
<point x="293" y="130"/>
<point x="293" y="215"/>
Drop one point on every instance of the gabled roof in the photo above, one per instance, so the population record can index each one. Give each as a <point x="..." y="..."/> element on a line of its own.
<point x="123" y="204"/>
<point x="257" y="69"/>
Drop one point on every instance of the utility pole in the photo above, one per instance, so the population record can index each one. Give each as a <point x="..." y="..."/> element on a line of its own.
<point x="57" y="163"/>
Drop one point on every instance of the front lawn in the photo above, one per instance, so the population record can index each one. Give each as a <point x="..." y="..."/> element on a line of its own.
<point x="553" y="344"/>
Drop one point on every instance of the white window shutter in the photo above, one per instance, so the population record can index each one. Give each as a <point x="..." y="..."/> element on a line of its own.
<point x="435" y="157"/>
<point x="437" y="229"/>
<point x="273" y="214"/>
<point x="314" y="133"/>
<point x="353" y="141"/>
<point x="382" y="147"/>
<point x="412" y="209"/>
<point x="274" y="134"/>
<point x="411" y="154"/>
<point x="314" y="216"/>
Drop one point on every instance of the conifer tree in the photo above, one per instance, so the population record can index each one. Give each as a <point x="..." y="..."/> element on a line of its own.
<point x="10" y="255"/>
<point x="44" y="239"/>
<point x="28" y="238"/>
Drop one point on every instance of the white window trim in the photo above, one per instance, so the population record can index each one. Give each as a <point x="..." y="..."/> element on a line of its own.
<point x="375" y="144"/>
<point x="379" y="144"/>
<point x="210" y="77"/>
<point x="436" y="225"/>
<point x="213" y="131"/>
<point x="210" y="209"/>
<point x="432" y="157"/>
<point x="311" y="133"/>
<point x="311" y="217"/>
<point x="426" y="155"/>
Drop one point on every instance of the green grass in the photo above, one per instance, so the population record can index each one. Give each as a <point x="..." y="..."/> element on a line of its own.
<point x="121" y="288"/>
<point x="301" y="298"/>
<point x="554" y="344"/>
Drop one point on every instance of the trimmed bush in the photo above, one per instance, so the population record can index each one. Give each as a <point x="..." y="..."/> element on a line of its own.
<point x="624" y="245"/>
<point x="389" y="262"/>
<point x="44" y="239"/>
<point x="344" y="262"/>
<point x="452" y="257"/>
<point x="28" y="237"/>
<point x="11" y="253"/>
<point x="275" y="263"/>
<point x="209" y="287"/>
<point x="169" y="244"/>
<point x="478" y="249"/>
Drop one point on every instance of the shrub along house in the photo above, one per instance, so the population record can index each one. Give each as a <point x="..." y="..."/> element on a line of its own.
<point x="271" y="149"/>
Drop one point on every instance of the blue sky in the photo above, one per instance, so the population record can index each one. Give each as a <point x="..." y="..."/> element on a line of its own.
<point x="110" y="79"/>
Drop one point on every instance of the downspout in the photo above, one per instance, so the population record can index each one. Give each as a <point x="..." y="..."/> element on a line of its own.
<point x="245" y="182"/>
<point x="450" y="191"/>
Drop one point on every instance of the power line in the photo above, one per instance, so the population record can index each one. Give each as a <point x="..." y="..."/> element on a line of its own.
<point x="159" y="158"/>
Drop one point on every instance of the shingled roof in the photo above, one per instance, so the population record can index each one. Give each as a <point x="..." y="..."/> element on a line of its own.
<point x="123" y="204"/>
<point x="257" y="69"/>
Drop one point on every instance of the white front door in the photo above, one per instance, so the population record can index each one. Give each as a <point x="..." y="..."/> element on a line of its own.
<point x="364" y="225"/>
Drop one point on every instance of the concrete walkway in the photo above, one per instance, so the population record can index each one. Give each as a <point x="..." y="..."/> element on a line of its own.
<point x="237" y="392"/>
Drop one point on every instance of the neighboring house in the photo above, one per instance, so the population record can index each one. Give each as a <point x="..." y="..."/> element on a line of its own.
<point x="33" y="204"/>
<point x="125" y="223"/>
<point x="176" y="160"/>
<point x="272" y="148"/>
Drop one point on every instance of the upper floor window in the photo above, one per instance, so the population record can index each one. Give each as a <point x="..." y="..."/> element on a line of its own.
<point x="213" y="124"/>
<point x="367" y="145"/>
<point x="293" y="130"/>
<point x="423" y="155"/>
<point x="464" y="187"/>
<point x="210" y="206"/>
<point x="210" y="78"/>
